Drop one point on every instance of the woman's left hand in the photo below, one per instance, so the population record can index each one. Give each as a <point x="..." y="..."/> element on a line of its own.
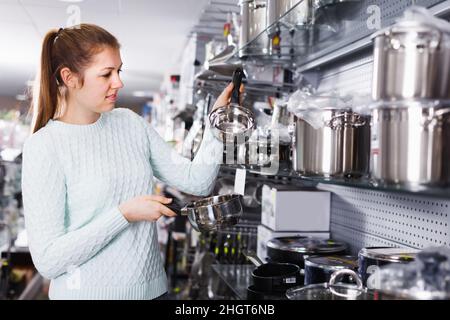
<point x="225" y="96"/>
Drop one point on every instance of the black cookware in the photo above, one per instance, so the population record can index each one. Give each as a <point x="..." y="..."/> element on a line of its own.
<point x="371" y="258"/>
<point x="295" y="249"/>
<point x="253" y="294"/>
<point x="318" y="269"/>
<point x="274" y="277"/>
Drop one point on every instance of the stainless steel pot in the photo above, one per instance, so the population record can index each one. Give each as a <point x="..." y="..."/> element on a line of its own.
<point x="295" y="249"/>
<point x="370" y="259"/>
<point x="233" y="123"/>
<point x="319" y="269"/>
<point x="355" y="145"/>
<point x="253" y="23"/>
<point x="213" y="213"/>
<point x="411" y="144"/>
<point x="244" y="32"/>
<point x="411" y="60"/>
<point x="257" y="18"/>
<point x="264" y="155"/>
<point x="301" y="11"/>
<point x="278" y="8"/>
<point x="341" y="147"/>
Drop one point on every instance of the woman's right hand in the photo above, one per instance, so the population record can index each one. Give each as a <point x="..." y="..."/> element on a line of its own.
<point x="146" y="208"/>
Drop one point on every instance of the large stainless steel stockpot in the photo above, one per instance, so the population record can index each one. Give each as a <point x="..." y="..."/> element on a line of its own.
<point x="411" y="143"/>
<point x="302" y="11"/>
<point x="341" y="147"/>
<point x="411" y="60"/>
<point x="253" y="23"/>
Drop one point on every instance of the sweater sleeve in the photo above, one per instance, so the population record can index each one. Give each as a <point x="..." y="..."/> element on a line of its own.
<point x="54" y="249"/>
<point x="196" y="177"/>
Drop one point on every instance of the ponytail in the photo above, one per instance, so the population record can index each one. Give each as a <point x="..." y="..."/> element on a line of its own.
<point x="45" y="105"/>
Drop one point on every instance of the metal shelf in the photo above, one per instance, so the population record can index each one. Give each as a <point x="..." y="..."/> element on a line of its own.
<point x="340" y="29"/>
<point x="357" y="36"/>
<point x="289" y="176"/>
<point x="296" y="38"/>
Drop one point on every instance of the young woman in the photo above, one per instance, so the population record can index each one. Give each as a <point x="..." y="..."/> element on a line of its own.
<point x="88" y="170"/>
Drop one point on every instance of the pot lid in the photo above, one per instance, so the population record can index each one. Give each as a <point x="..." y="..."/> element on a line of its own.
<point x="324" y="291"/>
<point x="410" y="27"/>
<point x="332" y="262"/>
<point x="306" y="245"/>
<point x="388" y="254"/>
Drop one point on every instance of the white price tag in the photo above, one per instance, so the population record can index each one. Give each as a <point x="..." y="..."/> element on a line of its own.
<point x="239" y="181"/>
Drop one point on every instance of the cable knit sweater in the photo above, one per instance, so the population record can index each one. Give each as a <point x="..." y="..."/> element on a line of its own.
<point x="74" y="178"/>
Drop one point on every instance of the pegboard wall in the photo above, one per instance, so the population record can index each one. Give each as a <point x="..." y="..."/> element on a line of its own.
<point x="348" y="77"/>
<point x="363" y="217"/>
<point x="353" y="23"/>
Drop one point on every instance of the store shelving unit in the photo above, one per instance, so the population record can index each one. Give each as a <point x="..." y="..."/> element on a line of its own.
<point x="336" y="55"/>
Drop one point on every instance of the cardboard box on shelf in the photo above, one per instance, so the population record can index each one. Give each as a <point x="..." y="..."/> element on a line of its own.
<point x="285" y="209"/>
<point x="265" y="234"/>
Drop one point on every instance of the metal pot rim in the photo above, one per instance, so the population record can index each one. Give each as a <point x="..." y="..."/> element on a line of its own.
<point x="398" y="257"/>
<point x="232" y="197"/>
<point x="408" y="27"/>
<point x="325" y="288"/>
<point x="293" y="273"/>
<point x="415" y="103"/>
<point x="284" y="247"/>
<point x="310" y="263"/>
<point x="245" y="112"/>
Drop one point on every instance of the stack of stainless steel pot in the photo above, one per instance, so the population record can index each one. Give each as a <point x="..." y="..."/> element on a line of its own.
<point x="339" y="147"/>
<point x="410" y="119"/>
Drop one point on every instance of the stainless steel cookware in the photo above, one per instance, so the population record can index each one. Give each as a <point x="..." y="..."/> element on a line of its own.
<point x="233" y="123"/>
<point x="318" y="269"/>
<point x="410" y="143"/>
<point x="266" y="155"/>
<point x="244" y="31"/>
<point x="333" y="290"/>
<point x="411" y="60"/>
<point x="340" y="147"/>
<point x="213" y="213"/>
<point x="295" y="249"/>
<point x="301" y="11"/>
<point x="370" y="259"/>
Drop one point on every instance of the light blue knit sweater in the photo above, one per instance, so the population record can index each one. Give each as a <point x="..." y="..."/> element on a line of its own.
<point x="75" y="176"/>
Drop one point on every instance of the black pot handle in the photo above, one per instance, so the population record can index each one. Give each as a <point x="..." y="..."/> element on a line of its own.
<point x="238" y="74"/>
<point x="175" y="207"/>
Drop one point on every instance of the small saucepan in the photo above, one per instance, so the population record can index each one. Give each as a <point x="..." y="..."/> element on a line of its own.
<point x="233" y="123"/>
<point x="274" y="277"/>
<point x="318" y="269"/>
<point x="211" y="214"/>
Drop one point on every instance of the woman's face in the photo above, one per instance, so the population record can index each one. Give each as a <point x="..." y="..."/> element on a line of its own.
<point x="101" y="82"/>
